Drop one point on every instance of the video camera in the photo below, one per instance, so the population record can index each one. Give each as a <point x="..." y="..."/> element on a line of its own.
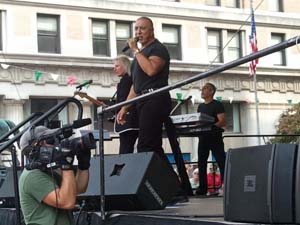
<point x="49" y="157"/>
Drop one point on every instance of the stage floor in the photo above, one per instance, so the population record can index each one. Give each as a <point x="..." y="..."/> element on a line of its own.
<point x="196" y="211"/>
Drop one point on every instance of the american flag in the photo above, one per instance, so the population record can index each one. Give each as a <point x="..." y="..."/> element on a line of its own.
<point x="253" y="44"/>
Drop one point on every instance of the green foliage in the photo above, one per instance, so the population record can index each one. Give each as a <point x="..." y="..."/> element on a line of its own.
<point x="289" y="123"/>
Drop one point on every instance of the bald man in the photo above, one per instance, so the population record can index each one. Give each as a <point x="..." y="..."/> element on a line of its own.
<point x="150" y="71"/>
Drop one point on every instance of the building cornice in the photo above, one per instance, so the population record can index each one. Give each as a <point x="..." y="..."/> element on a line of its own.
<point x="37" y="60"/>
<point x="230" y="80"/>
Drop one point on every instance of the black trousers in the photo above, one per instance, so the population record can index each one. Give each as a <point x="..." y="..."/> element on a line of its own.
<point x="127" y="141"/>
<point x="207" y="142"/>
<point x="152" y="113"/>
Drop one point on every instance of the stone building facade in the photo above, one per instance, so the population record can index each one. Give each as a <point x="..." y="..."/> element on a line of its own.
<point x="79" y="39"/>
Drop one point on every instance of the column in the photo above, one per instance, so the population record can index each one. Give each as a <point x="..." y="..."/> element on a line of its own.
<point x="87" y="113"/>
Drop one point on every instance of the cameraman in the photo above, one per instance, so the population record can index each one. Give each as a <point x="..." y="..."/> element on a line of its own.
<point x="47" y="196"/>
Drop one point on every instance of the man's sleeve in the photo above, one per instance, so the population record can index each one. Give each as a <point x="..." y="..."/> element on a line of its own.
<point x="220" y="108"/>
<point x="161" y="52"/>
<point x="38" y="184"/>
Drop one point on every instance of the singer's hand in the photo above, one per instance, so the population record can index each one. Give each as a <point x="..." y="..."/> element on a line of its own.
<point x="121" y="116"/>
<point x="132" y="42"/>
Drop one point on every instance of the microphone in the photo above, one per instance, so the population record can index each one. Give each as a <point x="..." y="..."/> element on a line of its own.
<point x="81" y="123"/>
<point x="65" y="132"/>
<point x="125" y="48"/>
<point x="85" y="83"/>
<point x="127" y="45"/>
<point x="187" y="99"/>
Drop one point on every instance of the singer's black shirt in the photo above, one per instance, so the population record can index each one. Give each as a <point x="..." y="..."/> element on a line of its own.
<point x="141" y="80"/>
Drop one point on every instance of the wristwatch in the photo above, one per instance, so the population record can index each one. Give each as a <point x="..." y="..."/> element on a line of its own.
<point x="136" y="51"/>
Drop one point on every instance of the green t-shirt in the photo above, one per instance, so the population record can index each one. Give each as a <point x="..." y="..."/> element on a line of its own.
<point x="34" y="185"/>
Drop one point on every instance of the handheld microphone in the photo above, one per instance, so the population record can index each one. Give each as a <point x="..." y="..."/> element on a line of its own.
<point x="85" y="83"/>
<point x="81" y="123"/>
<point x="127" y="45"/>
<point x="125" y="48"/>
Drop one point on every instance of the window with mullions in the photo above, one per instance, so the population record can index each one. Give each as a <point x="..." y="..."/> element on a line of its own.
<point x="214" y="42"/>
<point x="100" y="37"/>
<point x="212" y="2"/>
<point x="276" y="6"/>
<point x="232" y="116"/>
<point x="48" y="33"/>
<point x="232" y="3"/>
<point x="171" y="39"/>
<point x="234" y="45"/>
<point x="123" y="33"/>
<point x="279" y="57"/>
<point x="45" y="104"/>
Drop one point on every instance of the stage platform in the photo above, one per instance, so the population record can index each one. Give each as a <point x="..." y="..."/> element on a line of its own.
<point x="195" y="211"/>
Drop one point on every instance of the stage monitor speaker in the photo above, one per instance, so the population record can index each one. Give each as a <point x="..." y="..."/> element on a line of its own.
<point x="7" y="194"/>
<point x="140" y="181"/>
<point x="297" y="188"/>
<point x="259" y="184"/>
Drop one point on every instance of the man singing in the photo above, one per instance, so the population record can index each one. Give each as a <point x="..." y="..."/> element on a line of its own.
<point x="150" y="71"/>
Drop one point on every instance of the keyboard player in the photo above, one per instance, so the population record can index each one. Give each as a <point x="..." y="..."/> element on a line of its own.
<point x="211" y="140"/>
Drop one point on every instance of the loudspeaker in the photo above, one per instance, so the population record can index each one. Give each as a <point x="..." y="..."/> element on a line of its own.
<point x="7" y="194"/>
<point x="259" y="184"/>
<point x="297" y="188"/>
<point x="140" y="181"/>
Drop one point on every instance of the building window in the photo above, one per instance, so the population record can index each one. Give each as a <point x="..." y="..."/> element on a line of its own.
<point x="234" y="45"/>
<point x="233" y="3"/>
<point x="48" y="33"/>
<point x="214" y="44"/>
<point x="171" y="39"/>
<point x="276" y="6"/>
<point x="212" y="2"/>
<point x="123" y="33"/>
<point x="100" y="38"/>
<point x="45" y="104"/>
<point x="278" y="58"/>
<point x="232" y="117"/>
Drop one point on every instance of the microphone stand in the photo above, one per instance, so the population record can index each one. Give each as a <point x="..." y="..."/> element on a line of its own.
<point x="179" y="104"/>
<point x="100" y="116"/>
<point x="16" y="186"/>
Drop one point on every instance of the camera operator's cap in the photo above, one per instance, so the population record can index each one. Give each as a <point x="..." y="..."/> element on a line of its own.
<point x="30" y="135"/>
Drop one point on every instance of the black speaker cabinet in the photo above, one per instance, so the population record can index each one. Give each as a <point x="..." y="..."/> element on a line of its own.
<point x="297" y="188"/>
<point x="259" y="184"/>
<point x="7" y="194"/>
<point x="140" y="181"/>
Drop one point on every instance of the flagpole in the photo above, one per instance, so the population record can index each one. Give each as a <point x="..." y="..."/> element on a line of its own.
<point x="253" y="64"/>
<point x="256" y="108"/>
